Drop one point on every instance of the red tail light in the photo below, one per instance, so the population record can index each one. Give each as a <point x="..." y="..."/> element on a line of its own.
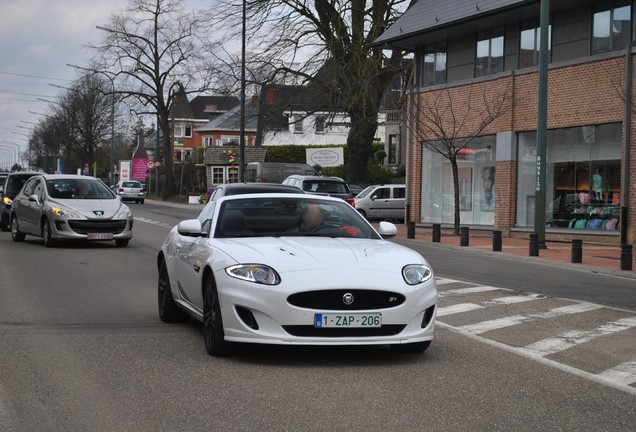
<point x="351" y="201"/>
<point x="142" y="190"/>
<point x="121" y="189"/>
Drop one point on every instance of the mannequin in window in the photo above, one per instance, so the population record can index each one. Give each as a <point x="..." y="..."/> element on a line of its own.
<point x="597" y="185"/>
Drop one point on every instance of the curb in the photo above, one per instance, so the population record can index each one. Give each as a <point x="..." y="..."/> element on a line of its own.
<point x="528" y="259"/>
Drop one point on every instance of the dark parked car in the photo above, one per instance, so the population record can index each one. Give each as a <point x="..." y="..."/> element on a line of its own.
<point x="250" y="188"/>
<point x="12" y="186"/>
<point x="319" y="185"/>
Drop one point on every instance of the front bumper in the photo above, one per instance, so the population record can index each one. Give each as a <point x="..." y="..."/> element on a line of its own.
<point x="79" y="229"/>
<point x="280" y="322"/>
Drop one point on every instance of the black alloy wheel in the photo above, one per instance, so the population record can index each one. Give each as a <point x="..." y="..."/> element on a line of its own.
<point x="169" y="312"/>
<point x="213" y="334"/>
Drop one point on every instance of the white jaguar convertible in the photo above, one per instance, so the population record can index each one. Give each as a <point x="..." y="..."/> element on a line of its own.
<point x="294" y="269"/>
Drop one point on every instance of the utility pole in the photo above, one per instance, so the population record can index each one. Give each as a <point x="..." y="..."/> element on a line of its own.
<point x="542" y="126"/>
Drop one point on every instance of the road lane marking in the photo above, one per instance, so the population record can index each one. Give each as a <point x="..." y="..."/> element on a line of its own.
<point x="153" y="222"/>
<point x="457" y="308"/>
<point x="544" y="361"/>
<point x="509" y="321"/>
<point x="471" y="290"/>
<point x="624" y="373"/>
<point x="444" y="281"/>
<point x="514" y="299"/>
<point x="572" y="338"/>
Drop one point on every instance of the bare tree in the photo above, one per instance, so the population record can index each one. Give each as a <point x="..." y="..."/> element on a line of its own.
<point x="151" y="49"/>
<point x="447" y="121"/>
<point x="298" y="38"/>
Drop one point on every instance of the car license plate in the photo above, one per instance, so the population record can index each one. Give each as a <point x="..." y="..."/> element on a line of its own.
<point x="99" y="236"/>
<point x="347" y="320"/>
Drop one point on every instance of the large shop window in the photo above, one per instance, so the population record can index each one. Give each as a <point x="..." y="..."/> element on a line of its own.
<point x="611" y="28"/>
<point x="476" y="170"/>
<point x="583" y="177"/>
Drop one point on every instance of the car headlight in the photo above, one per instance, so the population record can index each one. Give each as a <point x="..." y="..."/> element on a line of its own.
<point x="257" y="273"/>
<point x="60" y="211"/>
<point x="7" y="201"/>
<point x="414" y="274"/>
<point x="124" y="213"/>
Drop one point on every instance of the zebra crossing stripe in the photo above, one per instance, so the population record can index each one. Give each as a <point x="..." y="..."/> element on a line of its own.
<point x="444" y="281"/>
<point x="624" y="373"/>
<point x="514" y="299"/>
<point x="471" y="290"/>
<point x="509" y="321"/>
<point x="457" y="308"/>
<point x="572" y="338"/>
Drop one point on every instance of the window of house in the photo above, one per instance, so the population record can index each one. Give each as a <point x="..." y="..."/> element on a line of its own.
<point x="529" y="44"/>
<point x="320" y="124"/>
<point x="232" y="175"/>
<point x="178" y="130"/>
<point x="612" y="26"/>
<point x="230" y="140"/>
<point x="490" y="52"/>
<point x="188" y="131"/>
<point x="207" y="141"/>
<point x="392" y="149"/>
<point x="217" y="175"/>
<point x="433" y="64"/>
<point x="298" y="124"/>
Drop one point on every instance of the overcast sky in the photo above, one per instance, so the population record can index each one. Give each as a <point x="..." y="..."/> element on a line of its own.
<point x="38" y="38"/>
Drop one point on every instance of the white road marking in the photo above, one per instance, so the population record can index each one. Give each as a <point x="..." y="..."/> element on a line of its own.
<point x="471" y="290"/>
<point x="542" y="360"/>
<point x="514" y="299"/>
<point x="575" y="337"/>
<point x="444" y="281"/>
<point x="153" y="222"/>
<point x="509" y="321"/>
<point x="457" y="308"/>
<point x="624" y="373"/>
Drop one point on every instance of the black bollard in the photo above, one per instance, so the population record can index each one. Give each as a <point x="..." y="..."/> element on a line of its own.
<point x="463" y="236"/>
<point x="496" y="241"/>
<point x="437" y="233"/>
<point x="410" y="230"/>
<point x="626" y="257"/>
<point x="534" y="245"/>
<point x="577" y="251"/>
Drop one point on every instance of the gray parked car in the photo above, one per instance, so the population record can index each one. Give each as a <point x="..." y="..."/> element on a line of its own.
<point x="69" y="207"/>
<point x="382" y="201"/>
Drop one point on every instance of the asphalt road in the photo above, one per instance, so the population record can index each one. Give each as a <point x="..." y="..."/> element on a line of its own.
<point x="82" y="348"/>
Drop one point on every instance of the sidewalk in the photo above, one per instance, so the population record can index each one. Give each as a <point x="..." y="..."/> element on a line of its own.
<point x="602" y="257"/>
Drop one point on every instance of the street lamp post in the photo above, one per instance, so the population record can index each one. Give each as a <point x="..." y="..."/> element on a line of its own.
<point x="16" y="147"/>
<point x="112" y="117"/>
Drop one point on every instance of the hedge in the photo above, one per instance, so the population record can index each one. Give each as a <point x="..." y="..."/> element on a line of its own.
<point x="297" y="153"/>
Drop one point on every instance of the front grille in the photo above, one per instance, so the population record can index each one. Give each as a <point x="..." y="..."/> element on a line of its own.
<point x="311" y="331"/>
<point x="97" y="226"/>
<point x="363" y="299"/>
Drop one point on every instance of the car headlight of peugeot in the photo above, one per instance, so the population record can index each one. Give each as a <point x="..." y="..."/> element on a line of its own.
<point x="257" y="273"/>
<point x="61" y="211"/>
<point x="124" y="213"/>
<point x="414" y="274"/>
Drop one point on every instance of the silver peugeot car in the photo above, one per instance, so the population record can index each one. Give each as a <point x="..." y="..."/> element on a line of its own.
<point x="69" y="207"/>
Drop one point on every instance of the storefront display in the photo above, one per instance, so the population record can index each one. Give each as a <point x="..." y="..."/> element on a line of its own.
<point x="582" y="178"/>
<point x="476" y="173"/>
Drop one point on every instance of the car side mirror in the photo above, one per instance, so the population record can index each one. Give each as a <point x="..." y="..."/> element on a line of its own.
<point x="34" y="198"/>
<point x="374" y="197"/>
<point x="190" y="228"/>
<point x="387" y="230"/>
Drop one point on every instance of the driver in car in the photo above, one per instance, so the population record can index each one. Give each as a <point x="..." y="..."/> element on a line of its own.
<point x="312" y="218"/>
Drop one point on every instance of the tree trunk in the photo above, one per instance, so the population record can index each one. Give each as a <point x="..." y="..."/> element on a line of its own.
<point x="455" y="170"/>
<point x="359" y="140"/>
<point x="170" y="186"/>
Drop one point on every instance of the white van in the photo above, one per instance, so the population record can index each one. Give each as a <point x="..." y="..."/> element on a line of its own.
<point x="382" y="201"/>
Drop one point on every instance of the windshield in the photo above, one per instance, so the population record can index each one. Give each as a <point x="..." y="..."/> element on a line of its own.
<point x="80" y="188"/>
<point x="283" y="217"/>
<point x="365" y="192"/>
<point x="131" y="184"/>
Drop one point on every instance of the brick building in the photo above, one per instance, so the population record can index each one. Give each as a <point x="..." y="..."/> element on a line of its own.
<point x="476" y="58"/>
